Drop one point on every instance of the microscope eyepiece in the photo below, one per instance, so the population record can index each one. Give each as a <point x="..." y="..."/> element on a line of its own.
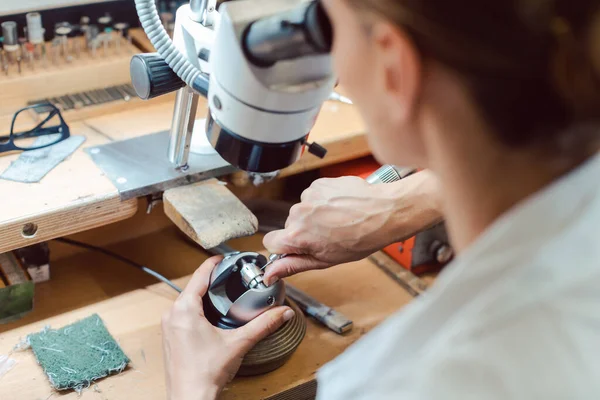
<point x="303" y="31"/>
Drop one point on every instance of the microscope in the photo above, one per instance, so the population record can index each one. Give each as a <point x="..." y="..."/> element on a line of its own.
<point x="265" y="68"/>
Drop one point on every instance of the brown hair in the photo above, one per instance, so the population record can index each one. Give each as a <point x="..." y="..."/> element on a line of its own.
<point x="530" y="65"/>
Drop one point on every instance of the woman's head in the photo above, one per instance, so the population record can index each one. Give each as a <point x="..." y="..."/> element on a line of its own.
<point x="529" y="70"/>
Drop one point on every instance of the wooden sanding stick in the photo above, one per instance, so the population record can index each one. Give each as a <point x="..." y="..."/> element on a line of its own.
<point x="209" y="213"/>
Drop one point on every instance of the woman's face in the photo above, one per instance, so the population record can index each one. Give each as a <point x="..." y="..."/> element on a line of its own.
<point x="370" y="71"/>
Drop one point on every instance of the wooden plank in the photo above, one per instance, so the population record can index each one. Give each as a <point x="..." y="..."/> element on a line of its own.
<point x="63" y="78"/>
<point x="74" y="196"/>
<point x="155" y="116"/>
<point x="134" y="319"/>
<point x="208" y="213"/>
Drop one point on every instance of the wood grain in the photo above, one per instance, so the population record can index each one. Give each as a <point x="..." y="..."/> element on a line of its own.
<point x="209" y="213"/>
<point x="63" y="78"/>
<point x="359" y="290"/>
<point x="74" y="196"/>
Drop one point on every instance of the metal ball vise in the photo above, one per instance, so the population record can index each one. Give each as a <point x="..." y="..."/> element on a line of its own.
<point x="237" y="293"/>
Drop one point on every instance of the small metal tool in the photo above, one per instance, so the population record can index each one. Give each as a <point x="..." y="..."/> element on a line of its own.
<point x="23" y="50"/>
<point x="105" y="21"/>
<point x="62" y="30"/>
<point x="123" y="29"/>
<point x="106" y="36"/>
<point x="3" y="58"/>
<point x="335" y="96"/>
<point x="272" y="258"/>
<point x="329" y="317"/>
<point x="226" y="307"/>
<point x="91" y="36"/>
<point x="35" y="30"/>
<point x="44" y="55"/>
<point x="11" y="40"/>
<point x="30" y="48"/>
<point x="56" y="42"/>
<point x="389" y="173"/>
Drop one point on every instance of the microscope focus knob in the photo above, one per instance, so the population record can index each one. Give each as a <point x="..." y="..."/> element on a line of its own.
<point x="151" y="76"/>
<point x="316" y="149"/>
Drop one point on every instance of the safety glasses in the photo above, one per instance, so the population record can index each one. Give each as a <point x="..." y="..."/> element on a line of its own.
<point x="27" y="133"/>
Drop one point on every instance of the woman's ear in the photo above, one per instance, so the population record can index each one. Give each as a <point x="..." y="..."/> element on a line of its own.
<point x="398" y="66"/>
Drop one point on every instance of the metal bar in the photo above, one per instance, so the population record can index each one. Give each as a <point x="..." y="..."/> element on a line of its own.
<point x="182" y="127"/>
<point x="409" y="281"/>
<point x="327" y="316"/>
<point x="199" y="10"/>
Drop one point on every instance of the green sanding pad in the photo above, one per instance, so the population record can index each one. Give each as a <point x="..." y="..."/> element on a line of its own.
<point x="78" y="354"/>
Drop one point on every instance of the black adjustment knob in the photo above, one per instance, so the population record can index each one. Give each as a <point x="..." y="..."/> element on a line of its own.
<point x="316" y="149"/>
<point x="151" y="76"/>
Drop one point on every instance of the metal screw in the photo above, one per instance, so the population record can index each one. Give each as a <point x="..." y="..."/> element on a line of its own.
<point x="217" y="102"/>
<point x="443" y="252"/>
<point x="270" y="300"/>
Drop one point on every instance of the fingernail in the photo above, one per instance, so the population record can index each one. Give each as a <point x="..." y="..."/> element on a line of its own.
<point x="271" y="281"/>
<point x="288" y="314"/>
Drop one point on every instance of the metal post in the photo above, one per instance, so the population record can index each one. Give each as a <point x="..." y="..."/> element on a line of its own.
<point x="182" y="127"/>
<point x="199" y="10"/>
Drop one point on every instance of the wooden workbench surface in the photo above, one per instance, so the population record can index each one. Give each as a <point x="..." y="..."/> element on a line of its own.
<point x="84" y="284"/>
<point x="75" y="196"/>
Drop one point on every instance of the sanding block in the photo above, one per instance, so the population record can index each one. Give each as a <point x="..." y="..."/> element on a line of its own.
<point x="209" y="213"/>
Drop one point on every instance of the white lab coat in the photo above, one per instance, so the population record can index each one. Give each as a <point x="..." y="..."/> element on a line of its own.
<point x="516" y="316"/>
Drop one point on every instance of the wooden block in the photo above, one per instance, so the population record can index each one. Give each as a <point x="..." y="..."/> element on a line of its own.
<point x="209" y="213"/>
<point x="12" y="270"/>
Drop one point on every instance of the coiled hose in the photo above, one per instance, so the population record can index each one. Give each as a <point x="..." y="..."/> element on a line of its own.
<point x="188" y="72"/>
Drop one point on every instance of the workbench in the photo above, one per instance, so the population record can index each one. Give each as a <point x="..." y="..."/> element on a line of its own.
<point x="131" y="307"/>
<point x="76" y="199"/>
<point x="76" y="196"/>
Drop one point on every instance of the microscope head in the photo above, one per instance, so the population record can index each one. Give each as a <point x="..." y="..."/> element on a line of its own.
<point x="263" y="65"/>
<point x="270" y="74"/>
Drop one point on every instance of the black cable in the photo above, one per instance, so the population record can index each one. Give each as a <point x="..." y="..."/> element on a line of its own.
<point x="120" y="258"/>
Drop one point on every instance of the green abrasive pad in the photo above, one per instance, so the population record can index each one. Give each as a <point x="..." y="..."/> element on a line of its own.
<point x="78" y="354"/>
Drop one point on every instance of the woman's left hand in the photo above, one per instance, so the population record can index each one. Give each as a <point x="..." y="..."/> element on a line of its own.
<point x="200" y="358"/>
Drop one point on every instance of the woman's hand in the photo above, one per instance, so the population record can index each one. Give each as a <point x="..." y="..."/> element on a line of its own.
<point x="200" y="358"/>
<point x="345" y="219"/>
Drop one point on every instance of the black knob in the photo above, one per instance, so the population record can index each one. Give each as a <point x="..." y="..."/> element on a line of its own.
<point x="316" y="149"/>
<point x="151" y="76"/>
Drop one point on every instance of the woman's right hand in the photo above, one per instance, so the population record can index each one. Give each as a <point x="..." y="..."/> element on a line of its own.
<point x="345" y="219"/>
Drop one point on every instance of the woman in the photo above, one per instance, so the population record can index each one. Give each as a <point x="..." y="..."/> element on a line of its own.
<point x="501" y="102"/>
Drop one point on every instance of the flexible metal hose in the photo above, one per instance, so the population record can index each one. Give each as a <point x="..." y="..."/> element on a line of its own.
<point x="188" y="72"/>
